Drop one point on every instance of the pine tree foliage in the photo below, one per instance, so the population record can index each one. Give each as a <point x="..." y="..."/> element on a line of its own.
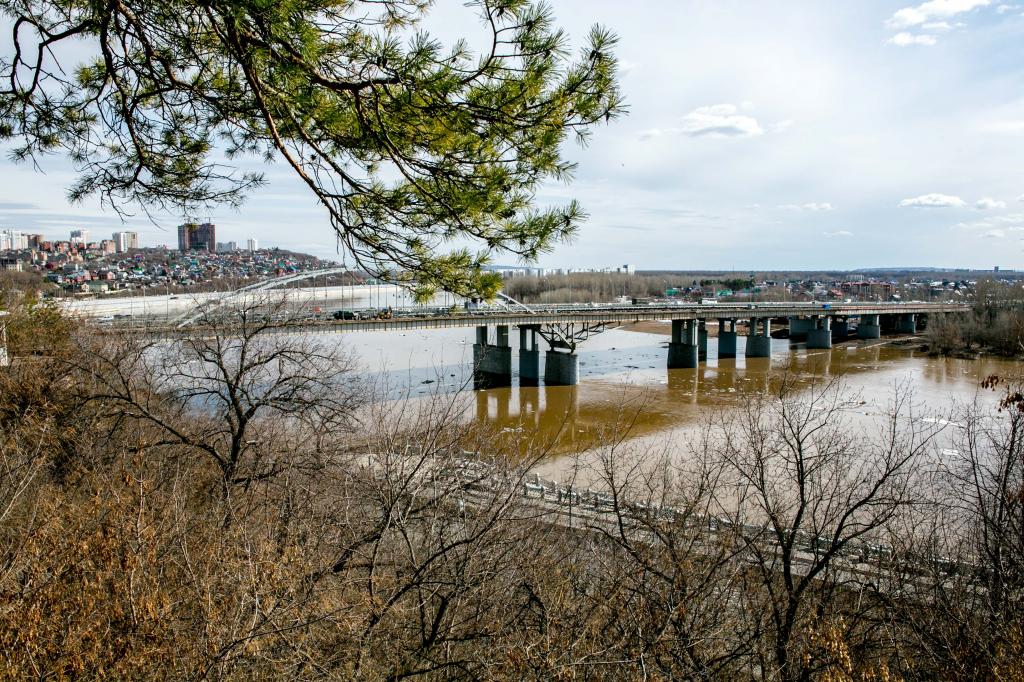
<point x="426" y="157"/>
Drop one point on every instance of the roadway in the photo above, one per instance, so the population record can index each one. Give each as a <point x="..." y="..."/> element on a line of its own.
<point x="592" y="315"/>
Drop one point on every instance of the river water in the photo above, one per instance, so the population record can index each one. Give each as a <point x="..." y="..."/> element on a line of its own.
<point x="625" y="387"/>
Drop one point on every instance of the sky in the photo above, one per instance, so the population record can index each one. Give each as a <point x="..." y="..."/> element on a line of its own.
<point x="760" y="135"/>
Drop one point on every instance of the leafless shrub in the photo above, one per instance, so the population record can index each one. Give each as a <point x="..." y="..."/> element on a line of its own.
<point x="967" y="619"/>
<point x="228" y="508"/>
<point x="254" y="401"/>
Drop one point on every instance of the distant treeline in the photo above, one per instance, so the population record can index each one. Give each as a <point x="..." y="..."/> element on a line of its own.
<point x="583" y="287"/>
<point x="995" y="324"/>
<point x="888" y="274"/>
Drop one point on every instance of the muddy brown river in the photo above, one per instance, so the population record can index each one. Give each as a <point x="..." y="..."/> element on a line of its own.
<point x="625" y="387"/>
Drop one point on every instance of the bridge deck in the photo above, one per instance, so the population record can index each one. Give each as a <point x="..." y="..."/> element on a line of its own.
<point x="595" y="315"/>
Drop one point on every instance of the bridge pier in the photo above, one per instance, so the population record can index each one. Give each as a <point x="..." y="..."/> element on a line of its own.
<point x="759" y="345"/>
<point x="702" y="341"/>
<point x="561" y="369"/>
<point x="683" y="351"/>
<point x="798" y="327"/>
<point x="529" y="356"/>
<point x="869" y="327"/>
<point x="492" y="364"/>
<point x="906" y="324"/>
<point x="726" y="339"/>
<point x="820" y="336"/>
<point x="840" y="329"/>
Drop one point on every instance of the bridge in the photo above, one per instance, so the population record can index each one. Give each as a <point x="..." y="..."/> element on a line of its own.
<point x="564" y="327"/>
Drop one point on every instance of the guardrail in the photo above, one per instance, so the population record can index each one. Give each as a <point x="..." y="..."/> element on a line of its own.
<point x="427" y="318"/>
<point x="570" y="506"/>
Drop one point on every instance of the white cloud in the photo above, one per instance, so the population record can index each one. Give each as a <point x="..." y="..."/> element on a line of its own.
<point x="995" y="234"/>
<point x="937" y="26"/>
<point x="1003" y="9"/>
<point x="905" y="39"/>
<point x="838" y="233"/>
<point x="719" y="120"/>
<point x="987" y="203"/>
<point x="1020" y="198"/>
<point x="932" y="10"/>
<point x="933" y="200"/>
<point x="813" y="206"/>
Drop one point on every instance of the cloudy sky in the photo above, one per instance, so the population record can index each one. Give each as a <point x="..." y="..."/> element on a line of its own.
<point x="761" y="134"/>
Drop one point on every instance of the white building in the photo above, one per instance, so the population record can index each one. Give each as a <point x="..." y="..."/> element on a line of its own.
<point x="80" y="237"/>
<point x="123" y="241"/>
<point x="12" y="240"/>
<point x="252" y="244"/>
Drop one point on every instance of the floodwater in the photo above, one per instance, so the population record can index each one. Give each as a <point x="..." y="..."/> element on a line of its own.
<point x="625" y="388"/>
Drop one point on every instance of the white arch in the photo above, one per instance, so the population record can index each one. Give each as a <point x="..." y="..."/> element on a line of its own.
<point x="191" y="316"/>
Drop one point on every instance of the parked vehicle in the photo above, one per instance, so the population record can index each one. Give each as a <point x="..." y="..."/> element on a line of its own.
<point x="346" y="315"/>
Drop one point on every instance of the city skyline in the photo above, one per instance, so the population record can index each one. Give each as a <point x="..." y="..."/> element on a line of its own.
<point x="776" y="135"/>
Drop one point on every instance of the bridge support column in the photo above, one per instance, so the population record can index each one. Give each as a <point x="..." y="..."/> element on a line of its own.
<point x="726" y="338"/>
<point x="906" y="324"/>
<point x="529" y="356"/>
<point x="492" y="365"/>
<point x="869" y="327"/>
<point x="702" y="341"/>
<point x="561" y="369"/>
<point x="798" y="328"/>
<point x="759" y="343"/>
<point x="683" y="352"/>
<point x="840" y="329"/>
<point x="820" y="337"/>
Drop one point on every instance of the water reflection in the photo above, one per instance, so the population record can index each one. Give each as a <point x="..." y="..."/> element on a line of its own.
<point x="625" y="387"/>
<point x="646" y="402"/>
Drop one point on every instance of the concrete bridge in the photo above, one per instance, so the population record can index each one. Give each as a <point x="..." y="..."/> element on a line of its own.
<point x="818" y="324"/>
<point x="564" y="327"/>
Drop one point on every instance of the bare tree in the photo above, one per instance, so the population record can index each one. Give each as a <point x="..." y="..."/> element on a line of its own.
<point x="679" y="578"/>
<point x="237" y="388"/>
<point x="968" y="620"/>
<point x="809" y="497"/>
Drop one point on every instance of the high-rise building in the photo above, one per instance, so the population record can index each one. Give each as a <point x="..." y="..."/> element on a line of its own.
<point x="197" y="237"/>
<point x="125" y="241"/>
<point x="227" y="247"/>
<point x="12" y="240"/>
<point x="79" y="237"/>
<point x="252" y="245"/>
